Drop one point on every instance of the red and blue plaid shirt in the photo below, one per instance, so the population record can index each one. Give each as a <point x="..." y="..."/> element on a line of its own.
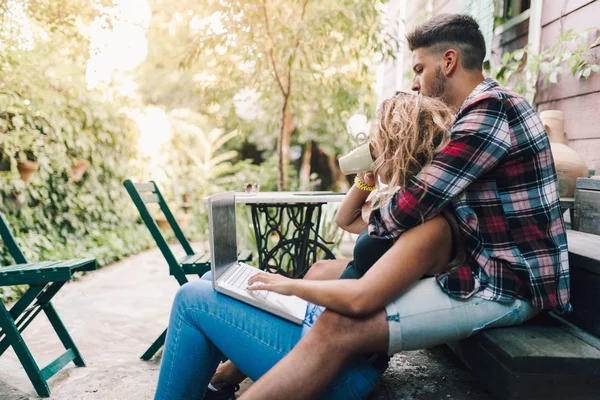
<point x="497" y="174"/>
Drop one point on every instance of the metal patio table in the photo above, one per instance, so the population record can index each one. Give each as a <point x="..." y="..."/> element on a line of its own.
<point x="286" y="226"/>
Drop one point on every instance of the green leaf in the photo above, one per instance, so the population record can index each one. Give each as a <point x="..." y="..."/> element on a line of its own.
<point x="586" y="72"/>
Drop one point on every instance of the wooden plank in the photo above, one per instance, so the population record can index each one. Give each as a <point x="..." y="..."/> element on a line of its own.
<point x="58" y="364"/>
<point x="512" y="34"/>
<point x="568" y="85"/>
<point x="21" y="268"/>
<point x="588" y="184"/>
<point x="589" y="149"/>
<point x="144" y="187"/>
<point x="584" y="250"/>
<point x="587" y="211"/>
<point x="585" y="286"/>
<point x="579" y="21"/>
<point x="542" y="348"/>
<point x="446" y="6"/>
<point x="586" y="320"/>
<point x="41" y="277"/>
<point x="506" y="384"/>
<point x="149" y="198"/>
<point x="581" y="116"/>
<point x="554" y="9"/>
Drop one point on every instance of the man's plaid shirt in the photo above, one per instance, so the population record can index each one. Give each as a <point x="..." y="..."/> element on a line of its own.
<point x="497" y="175"/>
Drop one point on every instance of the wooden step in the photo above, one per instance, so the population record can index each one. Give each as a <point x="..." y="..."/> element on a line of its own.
<point x="549" y="357"/>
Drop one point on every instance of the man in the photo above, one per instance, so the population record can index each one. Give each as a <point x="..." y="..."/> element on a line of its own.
<point x="497" y="176"/>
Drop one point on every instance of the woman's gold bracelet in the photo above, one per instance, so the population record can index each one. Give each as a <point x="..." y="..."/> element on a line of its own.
<point x="361" y="185"/>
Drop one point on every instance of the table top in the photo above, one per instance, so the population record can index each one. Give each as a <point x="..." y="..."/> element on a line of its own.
<point x="288" y="197"/>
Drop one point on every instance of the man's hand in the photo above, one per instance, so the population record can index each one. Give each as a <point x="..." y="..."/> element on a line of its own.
<point x="272" y="282"/>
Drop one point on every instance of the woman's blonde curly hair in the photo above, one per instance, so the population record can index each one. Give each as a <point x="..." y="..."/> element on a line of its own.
<point x="411" y="129"/>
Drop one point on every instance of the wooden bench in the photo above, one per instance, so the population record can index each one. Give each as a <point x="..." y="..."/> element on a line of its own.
<point x="549" y="357"/>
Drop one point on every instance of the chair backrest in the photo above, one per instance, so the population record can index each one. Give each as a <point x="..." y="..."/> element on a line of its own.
<point x="586" y="217"/>
<point x="10" y="242"/>
<point x="148" y="193"/>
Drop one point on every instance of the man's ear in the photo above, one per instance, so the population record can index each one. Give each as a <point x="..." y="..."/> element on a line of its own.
<point x="450" y="62"/>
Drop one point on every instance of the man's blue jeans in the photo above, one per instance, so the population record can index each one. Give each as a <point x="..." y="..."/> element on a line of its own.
<point x="205" y="325"/>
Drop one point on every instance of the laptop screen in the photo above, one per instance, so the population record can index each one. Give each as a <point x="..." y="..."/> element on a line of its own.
<point x="222" y="232"/>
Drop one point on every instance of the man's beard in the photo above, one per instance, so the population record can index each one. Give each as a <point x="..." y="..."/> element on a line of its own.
<point x="438" y="87"/>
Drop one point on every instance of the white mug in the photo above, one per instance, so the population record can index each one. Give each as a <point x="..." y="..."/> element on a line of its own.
<point x="358" y="160"/>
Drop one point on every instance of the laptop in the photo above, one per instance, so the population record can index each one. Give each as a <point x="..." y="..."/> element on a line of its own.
<point x="229" y="276"/>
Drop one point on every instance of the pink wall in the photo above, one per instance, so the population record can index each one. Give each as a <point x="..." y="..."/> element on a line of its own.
<point x="579" y="99"/>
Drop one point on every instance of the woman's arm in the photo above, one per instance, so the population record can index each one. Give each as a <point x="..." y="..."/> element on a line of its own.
<point x="425" y="248"/>
<point x="348" y="216"/>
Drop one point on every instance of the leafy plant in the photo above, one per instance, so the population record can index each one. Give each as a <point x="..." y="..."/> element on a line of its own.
<point x="47" y="113"/>
<point x="572" y="52"/>
<point x="303" y="59"/>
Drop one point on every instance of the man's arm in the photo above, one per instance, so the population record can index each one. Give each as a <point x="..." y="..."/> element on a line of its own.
<point x="479" y="140"/>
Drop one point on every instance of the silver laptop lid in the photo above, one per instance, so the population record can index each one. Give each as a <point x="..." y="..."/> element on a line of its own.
<point x="223" y="237"/>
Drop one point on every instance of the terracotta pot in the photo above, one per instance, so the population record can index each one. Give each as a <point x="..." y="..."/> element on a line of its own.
<point x="568" y="163"/>
<point x="164" y="224"/>
<point x="78" y="169"/>
<point x="27" y="169"/>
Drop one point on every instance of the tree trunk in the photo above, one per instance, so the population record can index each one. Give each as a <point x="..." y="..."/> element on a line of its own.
<point x="283" y="145"/>
<point x="339" y="178"/>
<point x="305" y="167"/>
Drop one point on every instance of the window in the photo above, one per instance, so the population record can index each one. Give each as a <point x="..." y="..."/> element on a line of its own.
<point x="512" y="8"/>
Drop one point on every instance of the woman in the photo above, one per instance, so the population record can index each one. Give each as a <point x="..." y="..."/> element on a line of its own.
<point x="205" y="325"/>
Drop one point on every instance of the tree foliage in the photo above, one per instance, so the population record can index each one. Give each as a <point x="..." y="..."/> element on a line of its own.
<point x="309" y="63"/>
<point x="48" y="114"/>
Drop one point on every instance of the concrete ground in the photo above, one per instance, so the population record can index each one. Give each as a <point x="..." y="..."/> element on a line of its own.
<point x="115" y="313"/>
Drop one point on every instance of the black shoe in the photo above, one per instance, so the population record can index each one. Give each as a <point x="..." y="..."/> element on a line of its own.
<point x="225" y="393"/>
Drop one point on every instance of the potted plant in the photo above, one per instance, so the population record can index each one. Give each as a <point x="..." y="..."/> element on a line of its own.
<point x="78" y="152"/>
<point x="78" y="168"/>
<point x="28" y="167"/>
<point x="181" y="219"/>
<point x="22" y="140"/>
<point x="27" y="146"/>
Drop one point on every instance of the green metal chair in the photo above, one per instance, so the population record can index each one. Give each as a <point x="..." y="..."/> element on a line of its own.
<point x="191" y="264"/>
<point x="45" y="279"/>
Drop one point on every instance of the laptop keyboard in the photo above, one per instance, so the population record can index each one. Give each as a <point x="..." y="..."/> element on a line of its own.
<point x="239" y="277"/>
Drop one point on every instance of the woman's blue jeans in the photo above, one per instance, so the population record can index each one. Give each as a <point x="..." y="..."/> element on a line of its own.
<point x="205" y="325"/>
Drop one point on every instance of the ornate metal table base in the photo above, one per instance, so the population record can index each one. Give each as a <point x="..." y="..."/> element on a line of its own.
<point x="287" y="236"/>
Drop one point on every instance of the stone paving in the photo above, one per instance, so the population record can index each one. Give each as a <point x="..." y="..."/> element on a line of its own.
<point x="115" y="313"/>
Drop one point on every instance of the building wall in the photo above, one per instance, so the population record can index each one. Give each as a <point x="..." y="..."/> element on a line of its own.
<point x="579" y="99"/>
<point x="509" y="39"/>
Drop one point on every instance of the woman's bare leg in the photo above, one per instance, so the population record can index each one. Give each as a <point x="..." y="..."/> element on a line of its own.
<point x="324" y="270"/>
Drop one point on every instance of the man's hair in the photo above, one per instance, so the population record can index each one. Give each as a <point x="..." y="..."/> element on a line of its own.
<point x="445" y="31"/>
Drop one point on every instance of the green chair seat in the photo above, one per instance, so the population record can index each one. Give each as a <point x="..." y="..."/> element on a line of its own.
<point x="200" y="263"/>
<point x="195" y="263"/>
<point x="45" y="271"/>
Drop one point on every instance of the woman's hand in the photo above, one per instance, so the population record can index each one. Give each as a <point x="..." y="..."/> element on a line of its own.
<point x="272" y="282"/>
<point x="368" y="178"/>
